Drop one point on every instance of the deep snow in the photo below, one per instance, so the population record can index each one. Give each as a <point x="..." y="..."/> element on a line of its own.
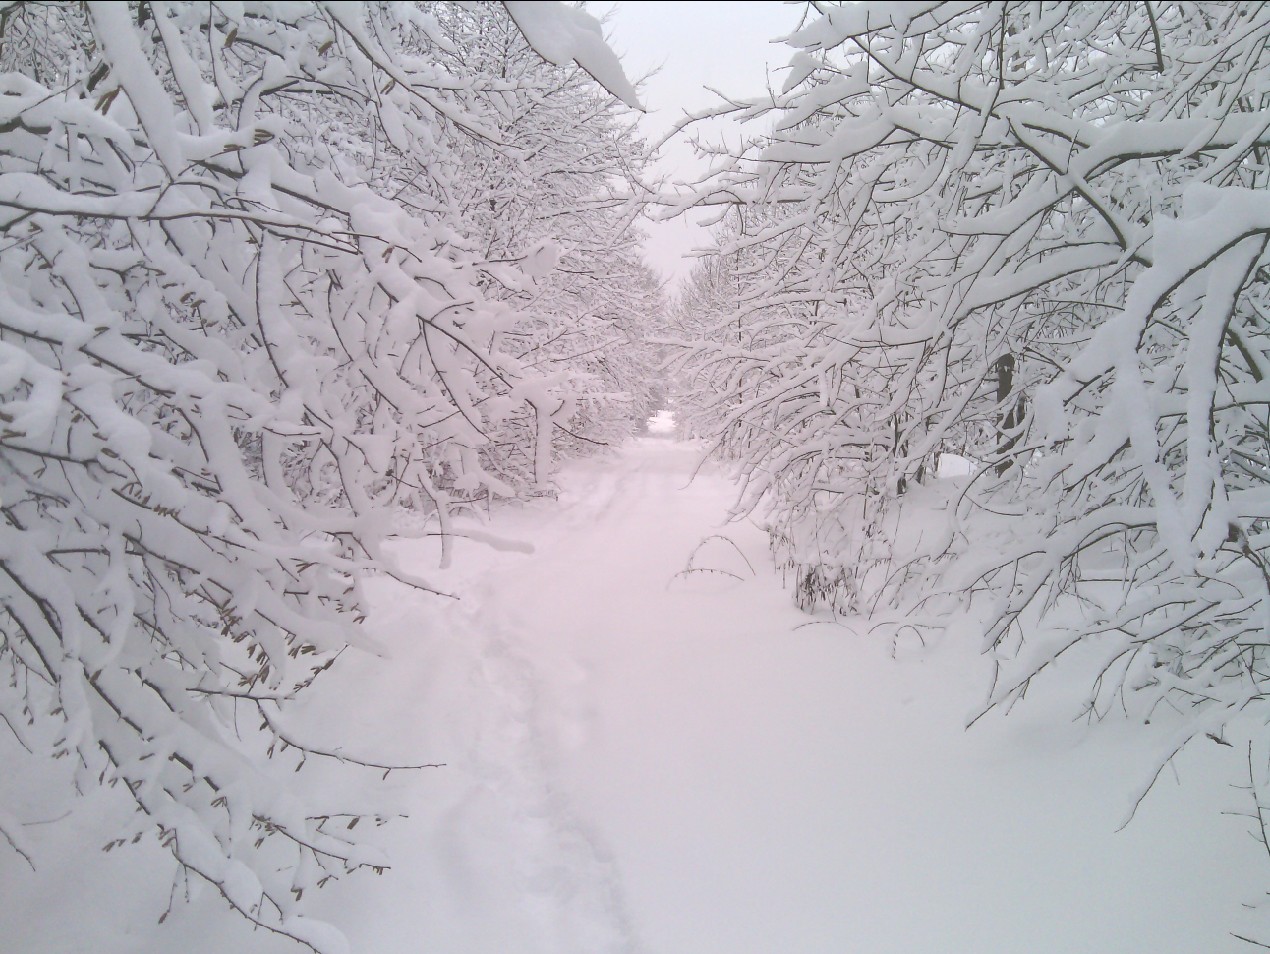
<point x="644" y="760"/>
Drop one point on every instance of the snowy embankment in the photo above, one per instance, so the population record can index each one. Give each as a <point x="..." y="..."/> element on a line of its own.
<point x="641" y="761"/>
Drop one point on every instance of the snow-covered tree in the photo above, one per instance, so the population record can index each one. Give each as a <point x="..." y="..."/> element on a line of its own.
<point x="1033" y="234"/>
<point x="703" y="317"/>
<point x="557" y="183"/>
<point x="244" y="314"/>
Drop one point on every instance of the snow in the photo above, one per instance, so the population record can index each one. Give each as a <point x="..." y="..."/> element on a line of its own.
<point x="662" y="423"/>
<point x="564" y="34"/>
<point x="643" y="760"/>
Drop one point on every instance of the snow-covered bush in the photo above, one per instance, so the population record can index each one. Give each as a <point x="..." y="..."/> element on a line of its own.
<point x="244" y="314"/>
<point x="1033" y="234"/>
<point x="558" y="181"/>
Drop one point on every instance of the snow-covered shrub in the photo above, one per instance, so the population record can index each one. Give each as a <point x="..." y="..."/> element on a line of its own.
<point x="1032" y="234"/>
<point x="557" y="182"/>
<point x="243" y="315"/>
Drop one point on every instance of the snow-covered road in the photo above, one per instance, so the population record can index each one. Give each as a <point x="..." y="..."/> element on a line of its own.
<point x="640" y="761"/>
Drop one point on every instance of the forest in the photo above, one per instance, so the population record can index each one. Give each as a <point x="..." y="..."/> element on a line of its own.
<point x="307" y="308"/>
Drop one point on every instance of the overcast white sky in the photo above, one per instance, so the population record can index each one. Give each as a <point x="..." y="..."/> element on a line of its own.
<point x="725" y="45"/>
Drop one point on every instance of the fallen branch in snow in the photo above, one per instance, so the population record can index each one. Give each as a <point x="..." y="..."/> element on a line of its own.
<point x="703" y="569"/>
<point x="690" y="569"/>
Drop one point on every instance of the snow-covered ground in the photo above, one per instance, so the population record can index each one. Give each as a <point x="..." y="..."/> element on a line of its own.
<point x="644" y="760"/>
<point x="662" y="424"/>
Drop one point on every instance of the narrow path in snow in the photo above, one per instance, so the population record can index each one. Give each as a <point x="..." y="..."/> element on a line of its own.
<point x="722" y="777"/>
<point x="644" y="763"/>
